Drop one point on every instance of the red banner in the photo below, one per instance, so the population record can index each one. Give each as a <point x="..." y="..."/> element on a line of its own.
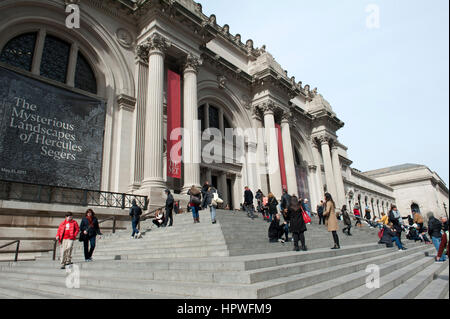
<point x="281" y="158"/>
<point x="173" y="125"/>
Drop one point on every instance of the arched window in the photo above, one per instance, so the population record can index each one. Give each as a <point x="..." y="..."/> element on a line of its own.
<point x="415" y="208"/>
<point x="54" y="64"/>
<point x="19" y="51"/>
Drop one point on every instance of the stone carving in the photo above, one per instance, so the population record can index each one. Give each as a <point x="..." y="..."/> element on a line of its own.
<point x="238" y="38"/>
<point x="246" y="101"/>
<point x="142" y="52"/>
<point x="226" y="29"/>
<point x="212" y="19"/>
<point x="157" y="42"/>
<point x="269" y="107"/>
<point x="124" y="37"/>
<point x="192" y="62"/>
<point x="222" y="81"/>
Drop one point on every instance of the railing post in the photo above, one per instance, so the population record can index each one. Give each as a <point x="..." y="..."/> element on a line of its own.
<point x="54" y="249"/>
<point x="114" y="224"/>
<point x="146" y="203"/>
<point x="17" y="251"/>
<point x="85" y="203"/>
<point x="123" y="201"/>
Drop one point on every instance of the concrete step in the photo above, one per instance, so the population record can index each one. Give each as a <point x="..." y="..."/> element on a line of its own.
<point x="389" y="280"/>
<point x="340" y="279"/>
<point x="437" y="288"/>
<point x="414" y="285"/>
<point x="22" y="293"/>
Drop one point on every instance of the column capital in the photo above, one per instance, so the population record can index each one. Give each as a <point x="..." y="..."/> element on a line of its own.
<point x="157" y="44"/>
<point x="126" y="102"/>
<point x="192" y="63"/>
<point x="288" y="118"/>
<point x="268" y="108"/>
<point x="142" y="53"/>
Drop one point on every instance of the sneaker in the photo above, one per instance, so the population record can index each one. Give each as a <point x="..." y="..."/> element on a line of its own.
<point x="296" y="249"/>
<point x="281" y="241"/>
<point x="63" y="267"/>
<point x="132" y="237"/>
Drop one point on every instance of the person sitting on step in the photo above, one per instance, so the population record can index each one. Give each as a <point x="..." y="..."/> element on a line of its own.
<point x="390" y="236"/>
<point x="159" y="218"/>
<point x="276" y="230"/>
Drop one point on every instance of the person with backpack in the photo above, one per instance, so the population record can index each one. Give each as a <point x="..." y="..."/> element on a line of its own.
<point x="89" y="229"/>
<point x="347" y="220"/>
<point x="357" y="214"/>
<point x="248" y="203"/>
<point x="66" y="236"/>
<point x="169" y="209"/>
<point x="194" y="202"/>
<point x="212" y="201"/>
<point x="297" y="223"/>
<point x="331" y="220"/>
<point x="135" y="213"/>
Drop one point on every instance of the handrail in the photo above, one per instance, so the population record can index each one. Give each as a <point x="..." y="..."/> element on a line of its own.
<point x="114" y="218"/>
<point x="17" y="248"/>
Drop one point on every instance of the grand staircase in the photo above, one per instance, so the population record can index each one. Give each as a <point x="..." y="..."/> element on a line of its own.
<point x="231" y="260"/>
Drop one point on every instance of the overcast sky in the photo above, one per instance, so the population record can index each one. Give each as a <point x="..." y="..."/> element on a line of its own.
<point x="388" y="84"/>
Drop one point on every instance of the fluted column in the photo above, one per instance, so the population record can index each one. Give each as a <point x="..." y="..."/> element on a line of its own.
<point x="138" y="145"/>
<point x="154" y="129"/>
<point x="272" y="151"/>
<point x="318" y="172"/>
<point x="313" y="189"/>
<point x="338" y="177"/>
<point x="222" y="188"/>
<point x="288" y="154"/>
<point x="329" y="174"/>
<point x="260" y="160"/>
<point x="192" y="127"/>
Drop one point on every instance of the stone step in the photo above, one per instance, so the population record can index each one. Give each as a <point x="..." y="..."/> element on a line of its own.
<point x="438" y="288"/>
<point x="338" y="280"/>
<point x="414" y="285"/>
<point x="389" y="280"/>
<point x="58" y="287"/>
<point x="21" y="293"/>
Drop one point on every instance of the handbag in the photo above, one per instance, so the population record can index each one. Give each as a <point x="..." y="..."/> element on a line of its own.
<point x="217" y="199"/>
<point x="195" y="200"/>
<point x="306" y="217"/>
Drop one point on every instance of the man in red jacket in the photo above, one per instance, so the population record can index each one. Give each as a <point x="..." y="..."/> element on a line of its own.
<point x="67" y="233"/>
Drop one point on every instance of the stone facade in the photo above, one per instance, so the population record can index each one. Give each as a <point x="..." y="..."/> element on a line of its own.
<point x="130" y="45"/>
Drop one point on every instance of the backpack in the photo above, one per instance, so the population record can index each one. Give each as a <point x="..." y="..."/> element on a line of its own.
<point x="381" y="233"/>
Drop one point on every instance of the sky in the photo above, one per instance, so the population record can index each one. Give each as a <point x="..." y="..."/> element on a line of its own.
<point x="383" y="65"/>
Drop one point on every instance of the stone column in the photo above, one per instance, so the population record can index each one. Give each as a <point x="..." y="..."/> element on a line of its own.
<point x="192" y="127"/>
<point x="138" y="144"/>
<point x="222" y="187"/>
<point x="329" y="174"/>
<point x="272" y="151"/>
<point x="316" y="197"/>
<point x="338" y="177"/>
<point x="288" y="154"/>
<point x="154" y="125"/>
<point x="260" y="160"/>
<point x="318" y="171"/>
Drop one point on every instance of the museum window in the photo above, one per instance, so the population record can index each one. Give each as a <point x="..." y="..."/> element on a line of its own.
<point x="215" y="117"/>
<point x="20" y="53"/>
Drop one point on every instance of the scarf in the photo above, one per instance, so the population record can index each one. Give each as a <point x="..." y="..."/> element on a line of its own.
<point x="91" y="221"/>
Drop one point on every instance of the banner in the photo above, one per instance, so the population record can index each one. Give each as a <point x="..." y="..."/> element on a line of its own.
<point x="281" y="158"/>
<point x="49" y="135"/>
<point x="173" y="125"/>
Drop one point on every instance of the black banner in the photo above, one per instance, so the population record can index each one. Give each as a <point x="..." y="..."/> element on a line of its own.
<point x="49" y="135"/>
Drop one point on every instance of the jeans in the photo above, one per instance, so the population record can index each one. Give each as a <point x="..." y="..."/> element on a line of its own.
<point x="397" y="242"/>
<point x="437" y="243"/>
<point x="134" y="224"/>
<point x="213" y="213"/>
<point x="249" y="210"/>
<point x="169" y="215"/>
<point x="195" y="214"/>
<point x="88" y="252"/>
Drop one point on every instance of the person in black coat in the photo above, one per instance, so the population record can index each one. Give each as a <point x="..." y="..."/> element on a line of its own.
<point x="135" y="213"/>
<point x="169" y="208"/>
<point x="272" y="204"/>
<point x="89" y="229"/>
<point x="320" y="209"/>
<point x="347" y="220"/>
<point x="248" y="202"/>
<point x="297" y="224"/>
<point x="434" y="230"/>
<point x="276" y="230"/>
<point x="390" y="236"/>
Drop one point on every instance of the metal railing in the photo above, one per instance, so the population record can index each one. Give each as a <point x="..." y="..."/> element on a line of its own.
<point x="37" y="193"/>
<point x="17" y="248"/>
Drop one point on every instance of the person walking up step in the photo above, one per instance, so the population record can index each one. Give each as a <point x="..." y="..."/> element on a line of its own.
<point x="89" y="229"/>
<point x="66" y="236"/>
<point x="297" y="223"/>
<point x="195" y="202"/>
<point x="212" y="201"/>
<point x="320" y="208"/>
<point x="435" y="231"/>
<point x="248" y="202"/>
<point x="272" y="204"/>
<point x="135" y="213"/>
<point x="331" y="219"/>
<point x="347" y="220"/>
<point x="169" y="209"/>
<point x="357" y="214"/>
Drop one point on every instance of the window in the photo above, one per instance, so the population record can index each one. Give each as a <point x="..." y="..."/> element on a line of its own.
<point x="55" y="59"/>
<point x="201" y="116"/>
<point x="214" y="121"/>
<point x="19" y="51"/>
<point x="84" y="76"/>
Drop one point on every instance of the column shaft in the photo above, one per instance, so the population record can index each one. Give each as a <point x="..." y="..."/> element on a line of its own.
<point x="272" y="156"/>
<point x="338" y="177"/>
<point x="329" y="174"/>
<point x="289" y="158"/>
